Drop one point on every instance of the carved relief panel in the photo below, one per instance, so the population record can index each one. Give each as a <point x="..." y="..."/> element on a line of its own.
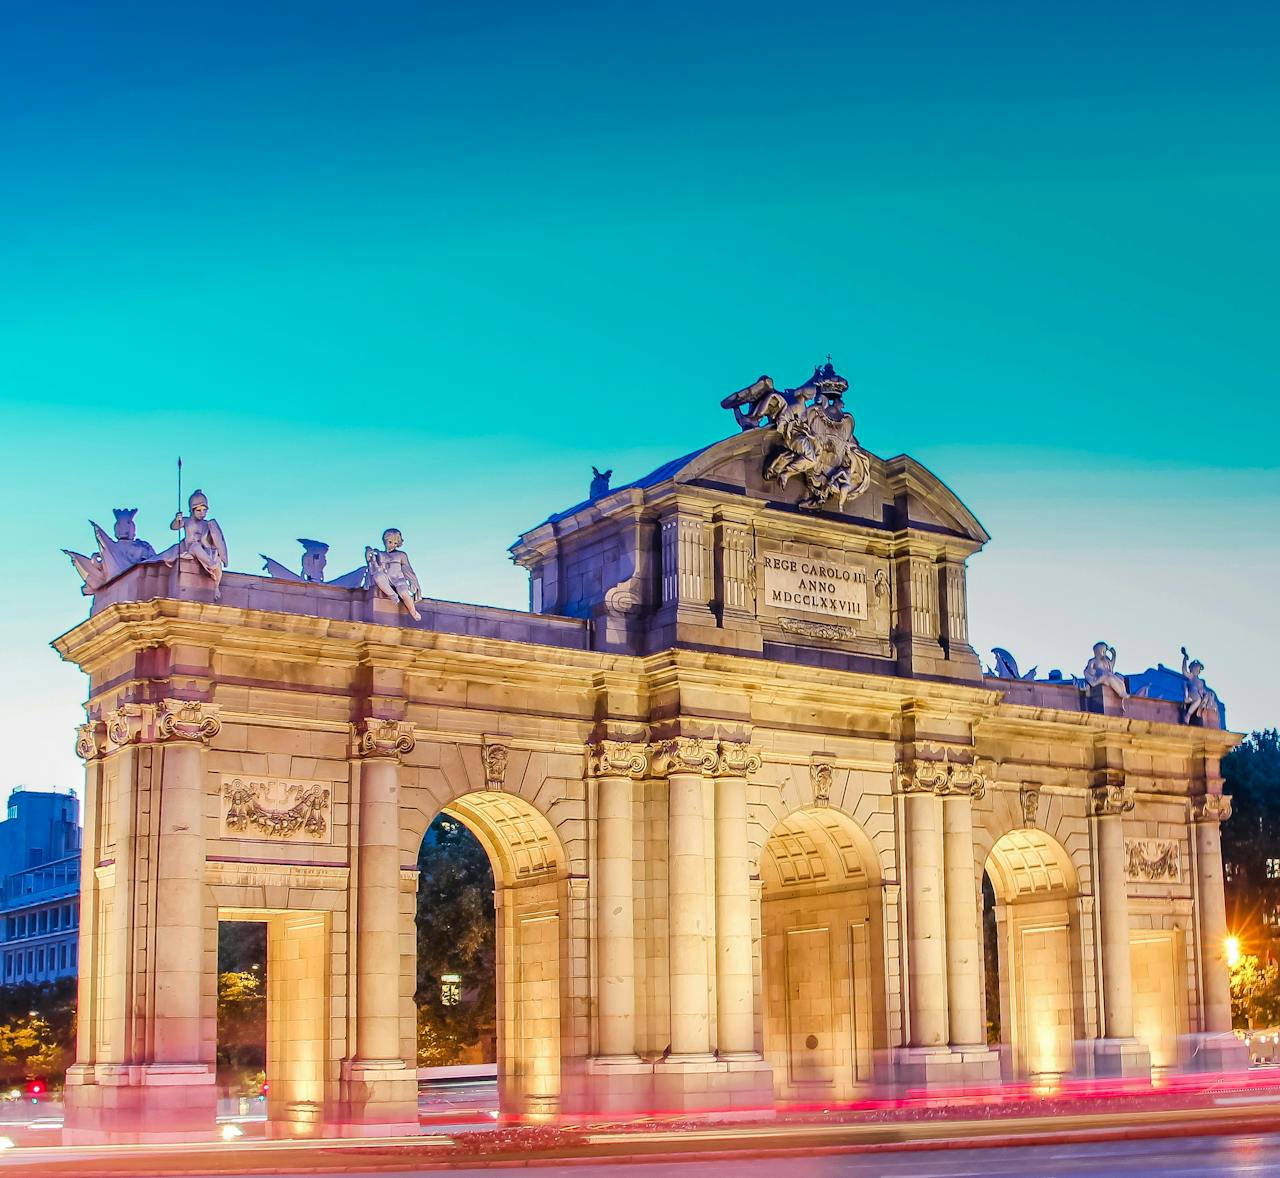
<point x="273" y="808"/>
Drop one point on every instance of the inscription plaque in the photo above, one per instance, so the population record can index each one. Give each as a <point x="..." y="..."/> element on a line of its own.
<point x="821" y="588"/>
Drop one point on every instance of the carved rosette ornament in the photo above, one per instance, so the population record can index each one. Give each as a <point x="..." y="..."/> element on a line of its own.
<point x="494" y="757"/>
<point x="389" y="739"/>
<point x="89" y="740"/>
<point x="1111" y="799"/>
<point x="821" y="775"/>
<point x="616" y="758"/>
<point x="736" y="758"/>
<point x="183" y="719"/>
<point x="1210" y="808"/>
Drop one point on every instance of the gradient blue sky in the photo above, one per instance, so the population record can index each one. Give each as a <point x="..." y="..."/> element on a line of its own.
<point x="421" y="265"/>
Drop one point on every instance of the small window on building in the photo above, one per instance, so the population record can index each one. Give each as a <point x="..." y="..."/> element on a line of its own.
<point x="74" y="950"/>
<point x="450" y="989"/>
<point x="62" y="957"/>
<point x="1273" y="868"/>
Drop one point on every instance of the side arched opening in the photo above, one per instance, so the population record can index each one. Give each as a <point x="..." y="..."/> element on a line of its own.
<point x="1031" y="896"/>
<point x="528" y="947"/>
<point x="823" y="955"/>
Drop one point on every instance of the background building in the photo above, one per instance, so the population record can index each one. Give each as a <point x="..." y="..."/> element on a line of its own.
<point x="40" y="888"/>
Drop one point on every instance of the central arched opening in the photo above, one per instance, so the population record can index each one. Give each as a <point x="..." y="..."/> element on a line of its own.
<point x="823" y="958"/>
<point x="490" y="933"/>
<point x="1032" y="943"/>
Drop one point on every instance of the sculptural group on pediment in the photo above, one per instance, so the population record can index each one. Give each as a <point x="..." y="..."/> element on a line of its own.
<point x="815" y="433"/>
<point x="114" y="555"/>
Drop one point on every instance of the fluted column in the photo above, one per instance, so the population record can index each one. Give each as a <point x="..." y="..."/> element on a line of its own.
<point x="1207" y="812"/>
<point x="685" y="762"/>
<point x="965" y="1004"/>
<point x="1109" y="804"/>
<point x="735" y="1013"/>
<point x="923" y="884"/>
<point x="613" y="764"/>
<point x="378" y="746"/>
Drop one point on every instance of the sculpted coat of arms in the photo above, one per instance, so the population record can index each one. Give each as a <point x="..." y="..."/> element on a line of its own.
<point x="816" y="435"/>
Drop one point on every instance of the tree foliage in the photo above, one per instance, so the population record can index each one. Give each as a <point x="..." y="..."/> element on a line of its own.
<point x="37" y="1031"/>
<point x="1251" y="775"/>
<point x="455" y="936"/>
<point x="242" y="1003"/>
<point x="1255" y="992"/>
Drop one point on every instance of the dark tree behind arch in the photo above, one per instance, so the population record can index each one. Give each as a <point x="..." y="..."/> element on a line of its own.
<point x="455" y="923"/>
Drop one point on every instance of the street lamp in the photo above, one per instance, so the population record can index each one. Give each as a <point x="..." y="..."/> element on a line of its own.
<point x="1232" y="947"/>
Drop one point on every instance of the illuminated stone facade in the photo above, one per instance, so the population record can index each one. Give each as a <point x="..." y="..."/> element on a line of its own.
<point x="739" y="774"/>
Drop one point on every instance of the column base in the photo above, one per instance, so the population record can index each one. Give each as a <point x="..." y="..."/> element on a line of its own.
<point x="1113" y="1059"/>
<point x="378" y="1098"/>
<point x="946" y="1067"/>
<point x="128" y="1104"/>
<point x="740" y="1083"/>
<point x="613" y="1085"/>
<point x="1215" y="1052"/>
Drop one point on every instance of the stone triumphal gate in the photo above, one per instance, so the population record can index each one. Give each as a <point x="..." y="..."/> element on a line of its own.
<point x="739" y="773"/>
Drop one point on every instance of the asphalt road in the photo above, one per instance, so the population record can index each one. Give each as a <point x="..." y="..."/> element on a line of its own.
<point x="1180" y="1157"/>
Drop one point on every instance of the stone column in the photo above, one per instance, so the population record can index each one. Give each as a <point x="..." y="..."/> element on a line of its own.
<point x="613" y="764"/>
<point x="685" y="761"/>
<point x="735" y="1013"/>
<point x="1110" y="803"/>
<point x="380" y="1089"/>
<point x="965" y="961"/>
<point x="923" y="884"/>
<point x="1207" y="811"/>
<point x="179" y="943"/>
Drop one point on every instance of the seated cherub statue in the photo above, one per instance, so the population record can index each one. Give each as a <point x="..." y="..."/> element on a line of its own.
<point x="391" y="574"/>
<point x="1200" y="700"/>
<point x="1101" y="670"/>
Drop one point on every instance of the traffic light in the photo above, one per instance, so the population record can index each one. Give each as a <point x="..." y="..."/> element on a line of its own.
<point x="36" y="1089"/>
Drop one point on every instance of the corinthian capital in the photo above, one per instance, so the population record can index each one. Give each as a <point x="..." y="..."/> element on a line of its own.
<point x="184" y="719"/>
<point x="1111" y="798"/>
<point x="389" y="739"/>
<point x="617" y="758"/>
<point x="1210" y="808"/>
<point x="736" y="758"/>
<point x="683" y="754"/>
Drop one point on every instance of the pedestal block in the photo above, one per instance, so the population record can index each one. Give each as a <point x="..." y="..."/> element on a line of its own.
<point x="379" y="1098"/>
<point x="125" y="1104"/>
<point x="1113" y="1059"/>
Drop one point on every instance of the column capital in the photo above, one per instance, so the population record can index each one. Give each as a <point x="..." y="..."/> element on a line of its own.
<point x="1111" y="798"/>
<point x="375" y="739"/>
<point x="736" y="758"/>
<point x="617" y="758"/>
<point x="123" y="725"/>
<point x="91" y="740"/>
<point x="185" y="719"/>
<point x="945" y="778"/>
<point x="683" y="754"/>
<point x="1210" y="808"/>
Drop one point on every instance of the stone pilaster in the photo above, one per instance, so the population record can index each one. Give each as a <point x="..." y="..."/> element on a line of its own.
<point x="379" y="1088"/>
<point x="1217" y="1047"/>
<point x="923" y="887"/>
<point x="151" y="1047"/>
<point x="1117" y="1052"/>
<point x="735" y="1015"/>
<point x="613" y="765"/>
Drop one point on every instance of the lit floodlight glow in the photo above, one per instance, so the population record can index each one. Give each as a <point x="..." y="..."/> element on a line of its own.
<point x="231" y="1132"/>
<point x="1232" y="946"/>
<point x="6" y="1143"/>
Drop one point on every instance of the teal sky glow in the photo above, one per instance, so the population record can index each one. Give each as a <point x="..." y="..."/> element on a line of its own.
<point x="422" y="264"/>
